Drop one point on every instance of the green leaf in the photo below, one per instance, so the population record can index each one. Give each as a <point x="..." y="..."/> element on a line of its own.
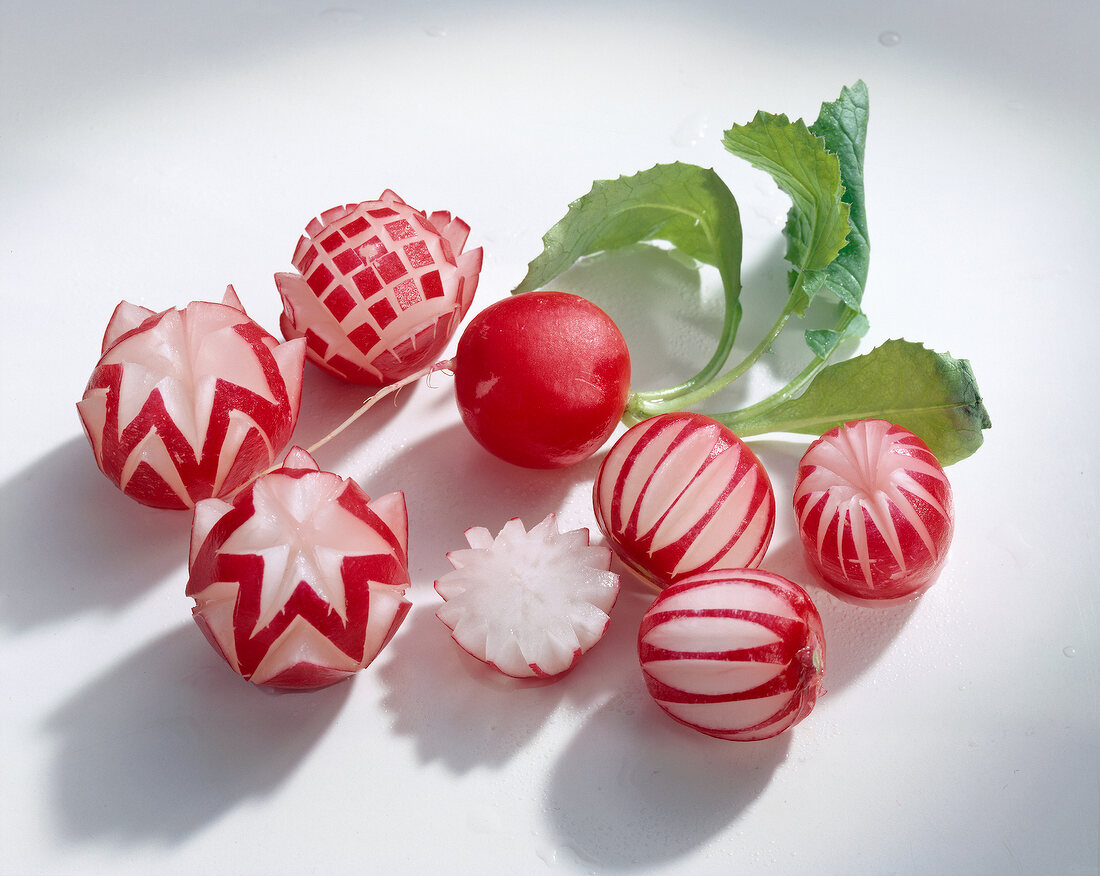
<point x="823" y="342"/>
<point x="931" y="394"/>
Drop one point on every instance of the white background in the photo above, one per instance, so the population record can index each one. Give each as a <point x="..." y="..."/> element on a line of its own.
<point x="157" y="152"/>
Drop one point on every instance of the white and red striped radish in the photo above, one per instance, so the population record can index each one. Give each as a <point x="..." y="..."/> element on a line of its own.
<point x="679" y="494"/>
<point x="737" y="654"/>
<point x="300" y="581"/>
<point x="190" y="403"/>
<point x="542" y="378"/>
<point x="380" y="288"/>
<point x="528" y="603"/>
<point x="874" y="510"/>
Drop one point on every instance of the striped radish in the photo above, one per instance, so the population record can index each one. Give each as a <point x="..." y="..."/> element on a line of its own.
<point x="189" y="403"/>
<point x="380" y="288"/>
<point x="736" y="654"/>
<point x="874" y="510"/>
<point x="679" y="494"/>
<point x="300" y="581"/>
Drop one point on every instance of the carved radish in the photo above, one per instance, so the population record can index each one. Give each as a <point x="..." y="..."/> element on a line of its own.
<point x="874" y="510"/>
<point x="380" y="288"/>
<point x="189" y="403"/>
<point x="735" y="654"/>
<point x="679" y="494"/>
<point x="528" y="603"/>
<point x="300" y="581"/>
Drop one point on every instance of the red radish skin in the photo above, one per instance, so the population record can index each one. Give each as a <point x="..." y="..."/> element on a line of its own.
<point x="189" y="403"/>
<point x="736" y="654"/>
<point x="528" y="603"/>
<point x="679" y="494"/>
<point x="875" y="511"/>
<point x="542" y="378"/>
<point x="300" y="581"/>
<point x="380" y="288"/>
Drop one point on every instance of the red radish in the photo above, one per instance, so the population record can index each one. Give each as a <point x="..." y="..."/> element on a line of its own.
<point x="737" y="654"/>
<point x="190" y="403"/>
<point x="380" y="289"/>
<point x="528" y="603"/>
<point x="679" y="494"/>
<point x="874" y="510"/>
<point x="300" y="581"/>
<point x="542" y="378"/>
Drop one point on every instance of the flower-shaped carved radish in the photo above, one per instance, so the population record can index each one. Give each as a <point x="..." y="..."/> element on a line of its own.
<point x="874" y="510"/>
<point x="528" y="603"/>
<point x="679" y="494"/>
<point x="735" y="654"/>
<point x="300" y="581"/>
<point x="190" y="403"/>
<point x="380" y="288"/>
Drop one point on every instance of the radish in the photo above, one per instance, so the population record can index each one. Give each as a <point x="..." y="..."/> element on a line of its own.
<point x="735" y="654"/>
<point x="542" y="378"/>
<point x="679" y="494"/>
<point x="380" y="288"/>
<point x="874" y="510"/>
<point x="189" y="403"/>
<point x="528" y="603"/>
<point x="300" y="581"/>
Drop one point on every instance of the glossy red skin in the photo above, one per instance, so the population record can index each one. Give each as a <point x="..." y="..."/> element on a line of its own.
<point x="542" y="378"/>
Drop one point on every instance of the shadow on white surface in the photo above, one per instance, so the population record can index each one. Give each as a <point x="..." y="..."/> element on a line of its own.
<point x="74" y="543"/>
<point x="165" y="743"/>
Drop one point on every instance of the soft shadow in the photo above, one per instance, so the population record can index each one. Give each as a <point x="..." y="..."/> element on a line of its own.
<point x="72" y="542"/>
<point x="165" y="743"/>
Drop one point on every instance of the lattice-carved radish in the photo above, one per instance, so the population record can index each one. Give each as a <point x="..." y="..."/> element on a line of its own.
<point x="680" y="493"/>
<point x="190" y="403"/>
<point x="736" y="654"/>
<point x="300" y="581"/>
<point x="528" y="603"/>
<point x="874" y="510"/>
<point x="380" y="288"/>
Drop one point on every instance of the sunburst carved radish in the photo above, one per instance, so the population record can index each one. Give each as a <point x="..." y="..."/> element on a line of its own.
<point x="875" y="510"/>
<point x="380" y="288"/>
<point x="679" y="494"/>
<point x="190" y="403"/>
<point x="300" y="581"/>
<point x="736" y="654"/>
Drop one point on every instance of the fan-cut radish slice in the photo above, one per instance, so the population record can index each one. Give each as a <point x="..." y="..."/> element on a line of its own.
<point x="874" y="510"/>
<point x="680" y="493"/>
<point x="736" y="654"/>
<point x="300" y="581"/>
<point x="528" y="603"/>
<point x="379" y="288"/>
<point x="190" y="403"/>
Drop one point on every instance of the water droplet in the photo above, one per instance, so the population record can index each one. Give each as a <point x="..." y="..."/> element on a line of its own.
<point x="1069" y="651"/>
<point x="692" y="130"/>
<point x="889" y="38"/>
<point x="435" y="30"/>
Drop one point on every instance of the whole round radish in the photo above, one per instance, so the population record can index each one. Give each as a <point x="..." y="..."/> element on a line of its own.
<point x="736" y="654"/>
<point x="380" y="288"/>
<point x="300" y="581"/>
<point x="528" y="603"/>
<point x="542" y="378"/>
<point x="874" y="510"/>
<point x="680" y="493"/>
<point x="190" y="403"/>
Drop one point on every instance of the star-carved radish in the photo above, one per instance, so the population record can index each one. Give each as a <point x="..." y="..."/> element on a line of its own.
<point x="190" y="403"/>
<point x="300" y="581"/>
<point x="379" y="288"/>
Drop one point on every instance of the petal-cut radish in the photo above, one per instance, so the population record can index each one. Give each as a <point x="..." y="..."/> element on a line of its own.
<point x="737" y="654"/>
<point x="190" y="403"/>
<point x="528" y="603"/>
<point x="679" y="494"/>
<point x="300" y="581"/>
<point x="380" y="288"/>
<point x="874" y="510"/>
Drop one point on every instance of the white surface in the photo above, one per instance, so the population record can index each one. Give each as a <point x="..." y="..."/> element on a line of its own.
<point x="157" y="152"/>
